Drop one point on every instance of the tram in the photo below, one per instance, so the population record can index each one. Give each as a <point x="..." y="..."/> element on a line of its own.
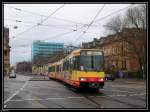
<point x="82" y="68"/>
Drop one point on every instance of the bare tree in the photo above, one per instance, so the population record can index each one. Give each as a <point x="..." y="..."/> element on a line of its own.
<point x="143" y="15"/>
<point x="134" y="24"/>
<point x="115" y="24"/>
<point x="136" y="16"/>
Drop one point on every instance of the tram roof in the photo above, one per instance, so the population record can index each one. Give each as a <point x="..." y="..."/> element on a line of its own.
<point x="71" y="55"/>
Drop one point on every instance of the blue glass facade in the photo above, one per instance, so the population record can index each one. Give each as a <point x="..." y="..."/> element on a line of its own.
<point x="45" y="49"/>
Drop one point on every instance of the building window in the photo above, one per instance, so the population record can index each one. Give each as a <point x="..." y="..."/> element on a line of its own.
<point x="5" y="53"/>
<point x="124" y="65"/>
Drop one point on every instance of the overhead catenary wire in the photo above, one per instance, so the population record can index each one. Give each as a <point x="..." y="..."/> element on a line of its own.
<point x="37" y="14"/>
<point x="113" y="13"/>
<point x="108" y="16"/>
<point x="41" y="21"/>
<point x="62" y="34"/>
<point x="61" y="26"/>
<point x="70" y="20"/>
<point x="19" y="21"/>
<point x="56" y="18"/>
<point x="90" y="23"/>
<point x="56" y="36"/>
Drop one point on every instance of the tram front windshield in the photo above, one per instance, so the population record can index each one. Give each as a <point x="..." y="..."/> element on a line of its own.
<point x="91" y="61"/>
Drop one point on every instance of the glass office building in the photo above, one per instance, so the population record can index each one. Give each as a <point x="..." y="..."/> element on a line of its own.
<point x="45" y="49"/>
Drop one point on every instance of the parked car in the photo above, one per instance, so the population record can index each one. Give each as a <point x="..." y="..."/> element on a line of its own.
<point x="109" y="77"/>
<point x="12" y="75"/>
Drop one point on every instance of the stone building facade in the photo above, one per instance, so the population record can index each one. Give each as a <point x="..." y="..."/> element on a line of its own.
<point x="6" y="52"/>
<point x="118" y="51"/>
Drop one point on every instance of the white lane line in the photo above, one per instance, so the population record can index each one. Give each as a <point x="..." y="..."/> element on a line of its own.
<point x="11" y="97"/>
<point x="143" y="87"/>
<point x="120" y="91"/>
<point x="137" y="94"/>
<point x="15" y="93"/>
<point x="75" y="97"/>
<point x="54" y="98"/>
<point x="24" y="86"/>
<point x="133" y="94"/>
<point x="34" y="99"/>
<point x="5" y="106"/>
<point x="15" y="100"/>
<point x="46" y="99"/>
<point x="142" y="93"/>
<point x="69" y="97"/>
<point x="121" y="95"/>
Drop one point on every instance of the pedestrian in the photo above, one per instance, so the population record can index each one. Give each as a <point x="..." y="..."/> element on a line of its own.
<point x="120" y="74"/>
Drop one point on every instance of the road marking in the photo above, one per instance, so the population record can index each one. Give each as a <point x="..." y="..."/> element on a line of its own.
<point x="15" y="100"/>
<point x="24" y="86"/>
<point x="75" y="97"/>
<point x="133" y="94"/>
<point x="34" y="99"/>
<point x="142" y="93"/>
<point x="5" y="106"/>
<point x="11" y="97"/>
<point x="121" y="91"/>
<point x="121" y="95"/>
<point x="15" y="93"/>
<point x="54" y="98"/>
<point x="143" y="87"/>
<point x="137" y="94"/>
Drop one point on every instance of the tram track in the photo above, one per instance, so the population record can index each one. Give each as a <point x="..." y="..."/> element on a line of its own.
<point x="100" y="106"/>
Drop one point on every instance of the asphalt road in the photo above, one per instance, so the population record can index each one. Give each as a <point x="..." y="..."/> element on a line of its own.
<point x="23" y="92"/>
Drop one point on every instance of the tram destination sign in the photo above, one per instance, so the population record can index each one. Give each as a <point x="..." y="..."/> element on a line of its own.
<point x="91" y="53"/>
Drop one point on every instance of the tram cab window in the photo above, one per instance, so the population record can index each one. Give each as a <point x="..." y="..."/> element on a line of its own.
<point x="91" y="61"/>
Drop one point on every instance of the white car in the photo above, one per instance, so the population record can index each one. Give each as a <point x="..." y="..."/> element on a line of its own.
<point x="109" y="77"/>
<point x="12" y="75"/>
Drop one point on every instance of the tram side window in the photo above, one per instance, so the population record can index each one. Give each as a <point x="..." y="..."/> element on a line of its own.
<point x="71" y="63"/>
<point x="51" y="69"/>
<point x="76" y="63"/>
<point x="61" y="68"/>
<point x="65" y="65"/>
<point x="57" y="68"/>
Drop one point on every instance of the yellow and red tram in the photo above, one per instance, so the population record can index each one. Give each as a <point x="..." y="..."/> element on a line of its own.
<point x="83" y="68"/>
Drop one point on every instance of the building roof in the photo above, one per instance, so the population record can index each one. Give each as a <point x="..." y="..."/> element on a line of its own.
<point x="113" y="37"/>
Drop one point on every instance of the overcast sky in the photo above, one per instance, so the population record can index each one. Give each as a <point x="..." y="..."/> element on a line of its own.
<point x="54" y="29"/>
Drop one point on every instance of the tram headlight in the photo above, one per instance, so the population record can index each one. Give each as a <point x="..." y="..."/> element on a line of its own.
<point x="82" y="79"/>
<point x="101" y="79"/>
